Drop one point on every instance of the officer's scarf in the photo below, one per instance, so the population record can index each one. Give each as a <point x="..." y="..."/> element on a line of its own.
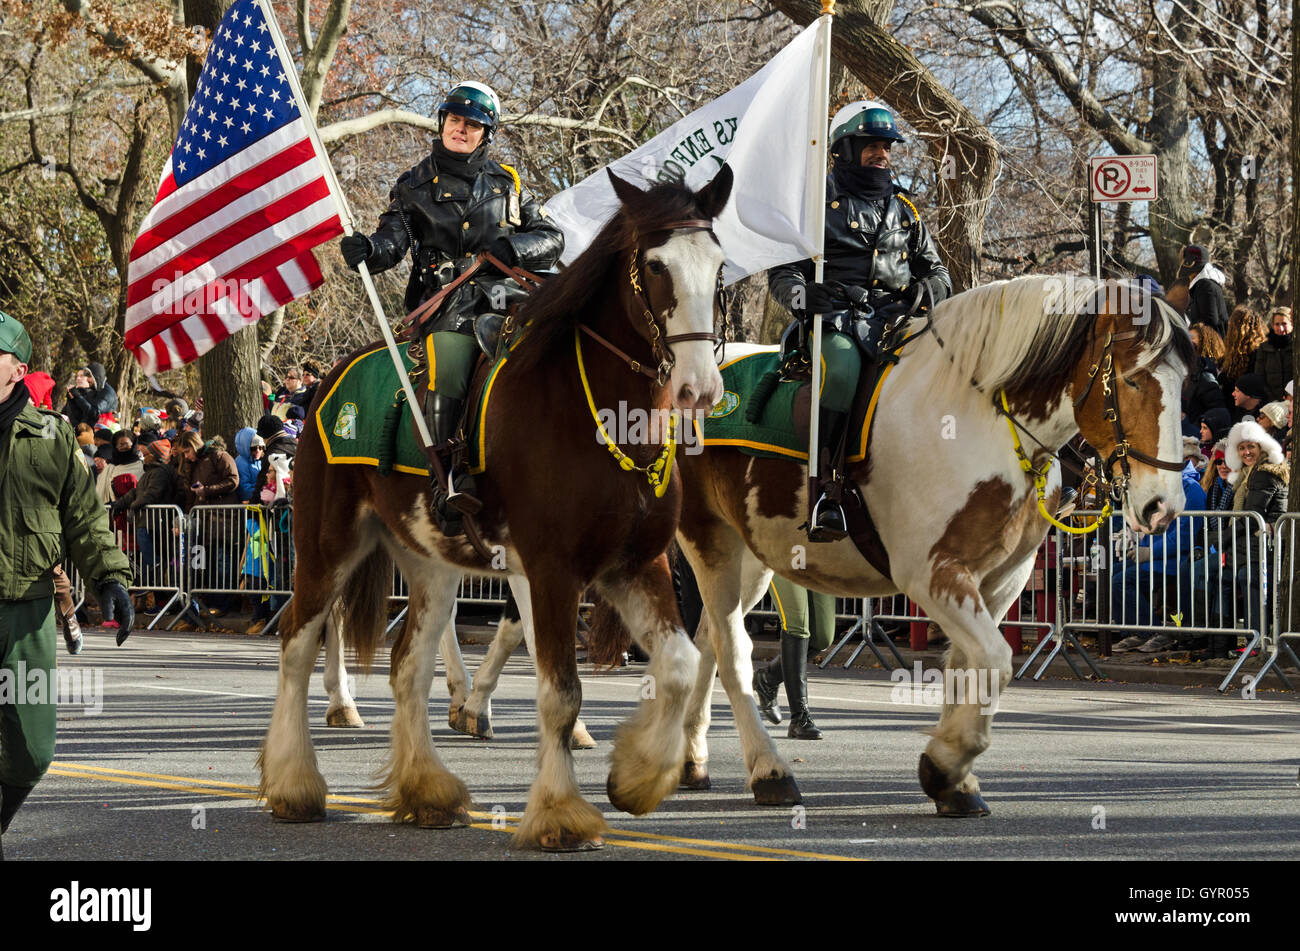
<point x="11" y="407"/>
<point x="864" y="181"/>
<point x="457" y="164"/>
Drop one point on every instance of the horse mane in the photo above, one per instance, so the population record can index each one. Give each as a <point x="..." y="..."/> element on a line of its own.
<point x="1031" y="332"/>
<point x="564" y="301"/>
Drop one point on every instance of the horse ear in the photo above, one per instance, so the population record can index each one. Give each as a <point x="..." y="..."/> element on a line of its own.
<point x="627" y="192"/>
<point x="712" y="198"/>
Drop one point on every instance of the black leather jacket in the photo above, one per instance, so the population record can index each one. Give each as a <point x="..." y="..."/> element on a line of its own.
<point x="445" y="221"/>
<point x="883" y="256"/>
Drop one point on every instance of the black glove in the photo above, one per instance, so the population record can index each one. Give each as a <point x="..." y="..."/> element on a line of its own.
<point x="913" y="300"/>
<point x="115" y="603"/>
<point x="503" y="251"/>
<point x="356" y="248"/>
<point x="818" y="299"/>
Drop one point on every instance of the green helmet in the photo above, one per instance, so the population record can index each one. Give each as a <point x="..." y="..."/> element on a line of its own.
<point x="14" y="338"/>
<point x="865" y="118"/>
<point x="473" y="101"/>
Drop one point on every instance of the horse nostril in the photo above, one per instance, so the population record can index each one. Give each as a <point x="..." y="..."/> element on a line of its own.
<point x="1153" y="509"/>
<point x="686" y="396"/>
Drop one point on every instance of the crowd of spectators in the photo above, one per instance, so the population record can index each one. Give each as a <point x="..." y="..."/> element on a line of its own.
<point x="163" y="458"/>
<point x="1237" y="420"/>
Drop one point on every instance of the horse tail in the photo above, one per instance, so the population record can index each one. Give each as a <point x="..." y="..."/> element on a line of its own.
<point x="607" y="636"/>
<point x="364" y="605"/>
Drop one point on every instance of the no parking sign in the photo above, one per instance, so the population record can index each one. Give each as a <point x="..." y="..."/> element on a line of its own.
<point x="1123" y="177"/>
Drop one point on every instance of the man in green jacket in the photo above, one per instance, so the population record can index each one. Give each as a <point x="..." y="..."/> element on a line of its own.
<point x="46" y="500"/>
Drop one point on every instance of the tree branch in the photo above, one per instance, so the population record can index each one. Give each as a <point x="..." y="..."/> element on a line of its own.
<point x="1063" y="74"/>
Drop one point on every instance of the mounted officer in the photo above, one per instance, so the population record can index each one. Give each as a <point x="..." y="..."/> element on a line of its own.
<point x="882" y="268"/>
<point x="453" y="205"/>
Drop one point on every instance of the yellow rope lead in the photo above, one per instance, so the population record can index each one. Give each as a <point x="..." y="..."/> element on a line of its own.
<point x="659" y="472"/>
<point x="1040" y="480"/>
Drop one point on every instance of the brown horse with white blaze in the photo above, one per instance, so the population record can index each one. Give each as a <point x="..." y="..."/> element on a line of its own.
<point x="563" y="512"/>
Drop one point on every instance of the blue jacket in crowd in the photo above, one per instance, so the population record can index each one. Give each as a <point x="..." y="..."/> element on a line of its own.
<point x="248" y="469"/>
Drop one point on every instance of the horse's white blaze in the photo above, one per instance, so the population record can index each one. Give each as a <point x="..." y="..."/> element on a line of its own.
<point x="692" y="259"/>
<point x="1149" y="484"/>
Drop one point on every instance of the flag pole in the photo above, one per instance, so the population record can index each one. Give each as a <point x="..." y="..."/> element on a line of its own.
<point x="815" y="201"/>
<point x="345" y="216"/>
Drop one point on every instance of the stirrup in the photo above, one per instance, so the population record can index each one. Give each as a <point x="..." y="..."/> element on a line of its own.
<point x="817" y="532"/>
<point x="464" y="502"/>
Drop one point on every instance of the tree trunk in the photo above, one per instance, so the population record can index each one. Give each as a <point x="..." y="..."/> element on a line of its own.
<point x="958" y="142"/>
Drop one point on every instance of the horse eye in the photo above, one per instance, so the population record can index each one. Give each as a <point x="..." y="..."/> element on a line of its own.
<point x="1132" y="384"/>
<point x="656" y="267"/>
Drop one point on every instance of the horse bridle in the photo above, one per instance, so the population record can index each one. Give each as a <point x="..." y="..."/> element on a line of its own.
<point x="660" y="345"/>
<point x="1123" y="450"/>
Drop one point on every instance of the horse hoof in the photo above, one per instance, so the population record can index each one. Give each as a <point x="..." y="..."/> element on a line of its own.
<point x="345" y="717"/>
<point x="295" y="816"/>
<point x="479" y="726"/>
<point x="569" y="842"/>
<point x="777" y="791"/>
<point x="614" y="801"/>
<point x="694" y="776"/>
<point x="430" y="817"/>
<point x="960" y="805"/>
<point x="950" y="802"/>
<point x="581" y="739"/>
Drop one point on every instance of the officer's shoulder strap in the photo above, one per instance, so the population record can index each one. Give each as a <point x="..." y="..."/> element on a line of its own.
<point x="916" y="215"/>
<point x="509" y="170"/>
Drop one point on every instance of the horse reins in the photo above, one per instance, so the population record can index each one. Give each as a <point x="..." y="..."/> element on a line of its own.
<point x="659" y="343"/>
<point x="1115" y="489"/>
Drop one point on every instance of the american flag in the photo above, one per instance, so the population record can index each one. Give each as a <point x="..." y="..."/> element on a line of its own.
<point x="242" y="201"/>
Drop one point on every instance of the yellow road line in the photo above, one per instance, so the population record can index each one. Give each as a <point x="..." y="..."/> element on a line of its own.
<point x="356" y="804"/>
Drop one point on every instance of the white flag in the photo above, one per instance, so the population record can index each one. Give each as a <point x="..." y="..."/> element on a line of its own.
<point x="769" y="129"/>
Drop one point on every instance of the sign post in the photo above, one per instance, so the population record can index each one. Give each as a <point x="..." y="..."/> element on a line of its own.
<point x="1117" y="178"/>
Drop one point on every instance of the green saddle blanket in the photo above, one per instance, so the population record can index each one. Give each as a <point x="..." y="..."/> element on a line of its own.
<point x="352" y="417"/>
<point x="774" y="435"/>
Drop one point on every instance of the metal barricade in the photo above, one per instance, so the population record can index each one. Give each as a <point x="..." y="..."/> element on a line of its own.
<point x="1286" y="603"/>
<point x="1207" y="575"/>
<point x="153" y="538"/>
<point x="240" y="549"/>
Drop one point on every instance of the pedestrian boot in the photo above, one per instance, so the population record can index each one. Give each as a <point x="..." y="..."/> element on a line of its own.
<point x="767" y="681"/>
<point x="794" y="664"/>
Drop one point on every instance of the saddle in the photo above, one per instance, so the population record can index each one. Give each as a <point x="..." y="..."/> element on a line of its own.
<point x="880" y="348"/>
<point x="494" y="334"/>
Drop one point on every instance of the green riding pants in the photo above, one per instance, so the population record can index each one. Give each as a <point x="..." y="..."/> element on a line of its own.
<point x="804" y="613"/>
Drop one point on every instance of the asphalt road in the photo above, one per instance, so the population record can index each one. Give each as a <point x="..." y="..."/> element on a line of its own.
<point x="166" y="770"/>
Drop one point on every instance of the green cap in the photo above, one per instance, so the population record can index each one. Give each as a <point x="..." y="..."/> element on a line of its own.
<point x="14" y="339"/>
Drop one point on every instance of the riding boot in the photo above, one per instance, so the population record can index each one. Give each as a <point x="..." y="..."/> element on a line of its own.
<point x="442" y="415"/>
<point x="826" y="522"/>
<point x="767" y="681"/>
<point x="794" y="664"/>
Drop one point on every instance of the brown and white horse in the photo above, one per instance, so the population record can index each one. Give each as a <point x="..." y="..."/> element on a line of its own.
<point x="955" y="512"/>
<point x="564" y="514"/>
